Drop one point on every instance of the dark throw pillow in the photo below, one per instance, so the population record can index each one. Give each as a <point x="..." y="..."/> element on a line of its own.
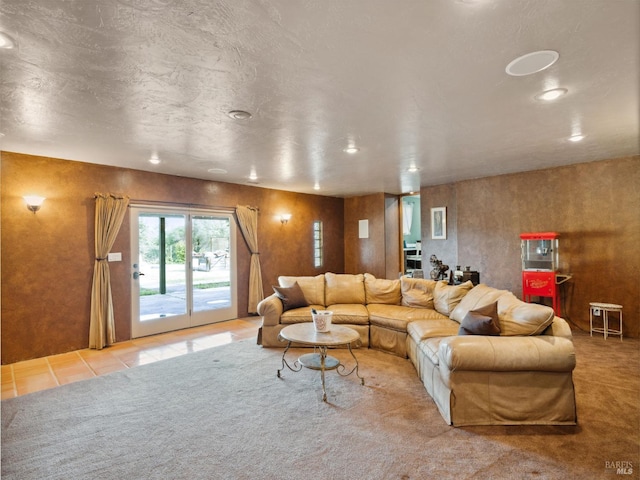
<point x="483" y="321"/>
<point x="292" y="297"/>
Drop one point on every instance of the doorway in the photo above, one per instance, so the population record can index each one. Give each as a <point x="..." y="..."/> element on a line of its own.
<point x="183" y="269"/>
<point x="411" y="234"/>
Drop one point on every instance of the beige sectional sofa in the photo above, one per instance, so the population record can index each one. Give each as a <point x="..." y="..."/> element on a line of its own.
<point x="520" y="375"/>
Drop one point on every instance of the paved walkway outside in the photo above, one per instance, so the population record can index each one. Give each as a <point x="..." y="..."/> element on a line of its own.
<point x="174" y="301"/>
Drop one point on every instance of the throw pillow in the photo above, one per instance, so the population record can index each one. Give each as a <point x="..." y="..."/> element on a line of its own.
<point x="291" y="297"/>
<point x="477" y="297"/>
<point x="446" y="297"/>
<point x="380" y="290"/>
<point x="344" y="288"/>
<point x="312" y="287"/>
<point x="417" y="292"/>
<point x="520" y="318"/>
<point x="483" y="321"/>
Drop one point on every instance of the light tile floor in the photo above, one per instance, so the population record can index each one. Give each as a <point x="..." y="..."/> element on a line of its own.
<point x="48" y="372"/>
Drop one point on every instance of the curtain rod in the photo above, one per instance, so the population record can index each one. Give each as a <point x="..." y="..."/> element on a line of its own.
<point x="158" y="203"/>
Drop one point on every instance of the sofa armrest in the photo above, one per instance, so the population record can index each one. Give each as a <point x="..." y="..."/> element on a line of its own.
<point x="505" y="354"/>
<point x="270" y="309"/>
<point x="558" y="328"/>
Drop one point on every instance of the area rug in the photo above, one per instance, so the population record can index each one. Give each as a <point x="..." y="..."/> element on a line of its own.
<point x="224" y="414"/>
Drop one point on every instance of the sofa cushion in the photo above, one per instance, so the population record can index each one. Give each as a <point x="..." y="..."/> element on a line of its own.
<point x="417" y="292"/>
<point x="430" y="348"/>
<point x="381" y="290"/>
<point x="477" y="297"/>
<point x="423" y="329"/>
<point x="291" y="297"/>
<point x="446" y="297"/>
<point x="349" y="313"/>
<point x="380" y="314"/>
<point x="344" y="288"/>
<point x="483" y="321"/>
<point x="392" y="317"/>
<point x="520" y="318"/>
<point x="298" y="315"/>
<point x="312" y="287"/>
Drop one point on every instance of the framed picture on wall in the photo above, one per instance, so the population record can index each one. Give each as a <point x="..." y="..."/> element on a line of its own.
<point x="439" y="223"/>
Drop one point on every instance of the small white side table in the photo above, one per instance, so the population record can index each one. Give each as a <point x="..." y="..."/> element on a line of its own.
<point x="605" y="309"/>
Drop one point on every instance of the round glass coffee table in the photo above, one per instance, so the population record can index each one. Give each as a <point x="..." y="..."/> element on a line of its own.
<point x="305" y="334"/>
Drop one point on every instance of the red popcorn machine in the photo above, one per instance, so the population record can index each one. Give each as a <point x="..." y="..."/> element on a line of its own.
<point x="540" y="265"/>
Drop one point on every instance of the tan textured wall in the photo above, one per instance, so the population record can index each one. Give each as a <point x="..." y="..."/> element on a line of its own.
<point x="380" y="253"/>
<point x="445" y="250"/>
<point x="365" y="254"/>
<point x="595" y="207"/>
<point x="47" y="258"/>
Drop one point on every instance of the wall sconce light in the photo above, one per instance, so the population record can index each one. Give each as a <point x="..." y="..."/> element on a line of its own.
<point x="34" y="202"/>
<point x="285" y="217"/>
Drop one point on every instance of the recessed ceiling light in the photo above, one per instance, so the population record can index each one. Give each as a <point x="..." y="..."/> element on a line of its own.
<point x="239" y="114"/>
<point x="532" y="63"/>
<point x="154" y="159"/>
<point x="351" y="150"/>
<point x="6" y="41"/>
<point x="413" y="169"/>
<point x="221" y="171"/>
<point x="316" y="186"/>
<point x="576" y="138"/>
<point x="552" y="94"/>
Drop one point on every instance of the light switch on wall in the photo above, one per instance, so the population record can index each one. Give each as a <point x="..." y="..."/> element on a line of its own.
<point x="114" y="257"/>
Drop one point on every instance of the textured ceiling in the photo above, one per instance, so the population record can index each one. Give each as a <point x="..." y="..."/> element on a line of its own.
<point x="410" y="83"/>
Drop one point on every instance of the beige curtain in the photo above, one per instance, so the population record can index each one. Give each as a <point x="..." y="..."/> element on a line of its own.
<point x="248" y="221"/>
<point x="110" y="211"/>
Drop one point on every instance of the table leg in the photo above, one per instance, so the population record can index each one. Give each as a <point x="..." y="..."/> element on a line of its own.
<point x="354" y="369"/>
<point x="285" y="363"/>
<point x="323" y="357"/>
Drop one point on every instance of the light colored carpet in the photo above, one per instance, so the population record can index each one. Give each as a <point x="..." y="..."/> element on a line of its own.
<point x="223" y="414"/>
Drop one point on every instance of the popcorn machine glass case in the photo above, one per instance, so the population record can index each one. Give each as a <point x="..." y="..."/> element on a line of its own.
<point x="539" y="252"/>
<point x="539" y="266"/>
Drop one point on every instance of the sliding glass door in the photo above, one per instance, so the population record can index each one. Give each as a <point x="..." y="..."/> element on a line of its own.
<point x="183" y="269"/>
